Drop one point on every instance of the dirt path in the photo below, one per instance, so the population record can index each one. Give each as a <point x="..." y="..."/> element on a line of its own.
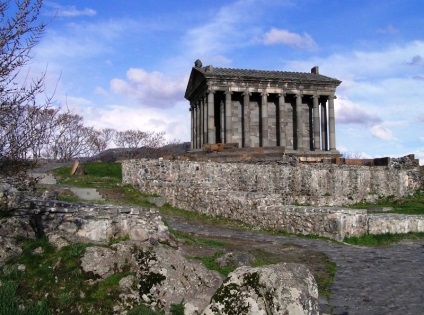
<point x="369" y="280"/>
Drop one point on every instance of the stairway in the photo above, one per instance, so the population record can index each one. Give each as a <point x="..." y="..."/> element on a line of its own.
<point x="82" y="193"/>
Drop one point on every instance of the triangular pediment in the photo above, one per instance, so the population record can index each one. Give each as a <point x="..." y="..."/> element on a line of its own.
<point x="196" y="79"/>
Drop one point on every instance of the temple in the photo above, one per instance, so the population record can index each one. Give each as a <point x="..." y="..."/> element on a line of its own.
<point x="259" y="108"/>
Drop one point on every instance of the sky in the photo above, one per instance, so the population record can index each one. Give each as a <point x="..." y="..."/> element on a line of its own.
<point x="126" y="64"/>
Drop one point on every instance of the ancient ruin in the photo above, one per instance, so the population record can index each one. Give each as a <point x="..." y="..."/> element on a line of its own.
<point x="256" y="108"/>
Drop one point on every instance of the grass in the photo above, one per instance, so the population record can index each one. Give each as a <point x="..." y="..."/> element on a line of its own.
<point x="194" y="240"/>
<point x="98" y="175"/>
<point x="381" y="239"/>
<point x="10" y="303"/>
<point x="167" y="209"/>
<point x="413" y="204"/>
<point x="54" y="277"/>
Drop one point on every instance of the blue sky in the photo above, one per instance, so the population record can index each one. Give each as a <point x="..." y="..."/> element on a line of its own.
<point x="125" y="64"/>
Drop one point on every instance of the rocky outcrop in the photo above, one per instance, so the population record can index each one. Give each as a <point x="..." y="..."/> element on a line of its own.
<point x="133" y="241"/>
<point x="276" y="289"/>
<point x="64" y="222"/>
<point x="162" y="275"/>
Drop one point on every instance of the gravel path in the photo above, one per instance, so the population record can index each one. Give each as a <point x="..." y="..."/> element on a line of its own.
<point x="369" y="280"/>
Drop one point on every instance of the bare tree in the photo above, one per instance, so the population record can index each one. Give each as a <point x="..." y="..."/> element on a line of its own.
<point x="20" y="32"/>
<point x="136" y="139"/>
<point x="71" y="138"/>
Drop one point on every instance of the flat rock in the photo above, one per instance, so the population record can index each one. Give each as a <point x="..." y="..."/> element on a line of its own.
<point x="275" y="289"/>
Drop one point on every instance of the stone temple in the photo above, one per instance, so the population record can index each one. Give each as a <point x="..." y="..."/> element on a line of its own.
<point x="292" y="111"/>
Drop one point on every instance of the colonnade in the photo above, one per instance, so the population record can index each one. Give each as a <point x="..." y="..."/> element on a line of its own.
<point x="214" y="118"/>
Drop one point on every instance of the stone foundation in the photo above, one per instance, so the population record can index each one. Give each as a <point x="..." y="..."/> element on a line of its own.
<point x="266" y="195"/>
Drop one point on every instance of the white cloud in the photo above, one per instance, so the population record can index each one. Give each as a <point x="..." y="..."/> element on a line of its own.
<point x="150" y="89"/>
<point x="231" y="27"/>
<point x="350" y="113"/>
<point x="388" y="61"/>
<point x="123" y="117"/>
<point x="68" y="11"/>
<point x="279" y="36"/>
<point x="382" y="133"/>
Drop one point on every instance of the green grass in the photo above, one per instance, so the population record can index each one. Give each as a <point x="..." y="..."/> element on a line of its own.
<point x="211" y="263"/>
<point x="413" y="204"/>
<point x="194" y="240"/>
<point x="381" y="239"/>
<point x="98" y="175"/>
<point x="11" y="305"/>
<point x="54" y="276"/>
<point x="167" y="209"/>
<point x="131" y="196"/>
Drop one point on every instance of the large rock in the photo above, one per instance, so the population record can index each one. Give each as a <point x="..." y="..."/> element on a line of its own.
<point x="10" y="228"/>
<point x="162" y="275"/>
<point x="288" y="289"/>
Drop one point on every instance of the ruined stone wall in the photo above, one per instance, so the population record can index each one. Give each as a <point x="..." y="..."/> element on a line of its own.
<point x="316" y="184"/>
<point x="264" y="195"/>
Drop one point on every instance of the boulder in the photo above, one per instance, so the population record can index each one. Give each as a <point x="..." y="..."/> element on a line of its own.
<point x="284" y="288"/>
<point x="162" y="275"/>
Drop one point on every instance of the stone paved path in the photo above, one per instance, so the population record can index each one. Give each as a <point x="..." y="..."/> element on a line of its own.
<point x="369" y="280"/>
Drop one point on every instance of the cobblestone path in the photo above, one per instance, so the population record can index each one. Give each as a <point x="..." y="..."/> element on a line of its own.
<point x="369" y="280"/>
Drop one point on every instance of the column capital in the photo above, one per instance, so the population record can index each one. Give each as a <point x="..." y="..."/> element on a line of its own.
<point x="210" y="90"/>
<point x="228" y="92"/>
<point x="264" y="94"/>
<point x="247" y="92"/>
<point x="332" y="97"/>
<point x="282" y="94"/>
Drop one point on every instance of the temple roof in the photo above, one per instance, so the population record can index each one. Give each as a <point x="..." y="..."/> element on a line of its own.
<point x="200" y="75"/>
<point x="211" y="72"/>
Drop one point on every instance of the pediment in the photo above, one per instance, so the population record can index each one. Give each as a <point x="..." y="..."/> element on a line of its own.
<point x="196" y="79"/>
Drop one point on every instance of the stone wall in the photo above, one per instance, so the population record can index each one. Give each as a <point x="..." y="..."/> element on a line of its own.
<point x="266" y="195"/>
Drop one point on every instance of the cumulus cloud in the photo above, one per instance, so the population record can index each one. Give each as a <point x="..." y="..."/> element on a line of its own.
<point x="280" y="36"/>
<point x="382" y="133"/>
<point x="68" y="11"/>
<point x="150" y="89"/>
<point x="122" y="117"/>
<point x="350" y="113"/>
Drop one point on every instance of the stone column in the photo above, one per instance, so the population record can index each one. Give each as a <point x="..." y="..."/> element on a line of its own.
<point x="199" y="130"/>
<point x="264" y="106"/>
<point x="205" y="120"/>
<point x="282" y="123"/>
<point x="332" y="122"/>
<point x="316" y="123"/>
<point x="195" y="126"/>
<point x="324" y="137"/>
<point x="192" y="127"/>
<point x="228" y="118"/>
<point x="201" y="112"/>
<point x="211" y="117"/>
<point x="222" y="120"/>
<point x="299" y="122"/>
<point x="246" y="118"/>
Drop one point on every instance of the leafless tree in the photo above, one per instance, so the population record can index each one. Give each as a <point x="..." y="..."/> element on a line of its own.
<point x="20" y="31"/>
<point x="71" y="138"/>
<point x="136" y="139"/>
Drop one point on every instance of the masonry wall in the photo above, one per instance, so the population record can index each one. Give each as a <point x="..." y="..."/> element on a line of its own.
<point x="266" y="195"/>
